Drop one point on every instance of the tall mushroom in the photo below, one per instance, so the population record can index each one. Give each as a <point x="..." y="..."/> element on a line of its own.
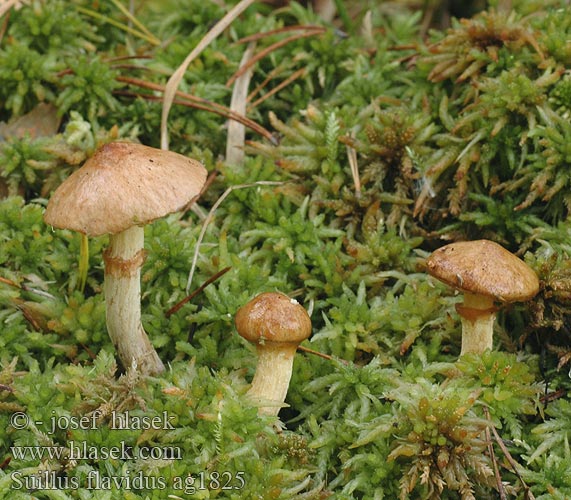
<point x="486" y="273"/>
<point x="122" y="187"/>
<point x="277" y="325"/>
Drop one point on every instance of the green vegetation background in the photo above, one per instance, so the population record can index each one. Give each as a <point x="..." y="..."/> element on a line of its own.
<point x="460" y="129"/>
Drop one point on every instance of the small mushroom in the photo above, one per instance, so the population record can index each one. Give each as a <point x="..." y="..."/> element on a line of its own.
<point x="486" y="273"/>
<point x="122" y="187"/>
<point x="277" y="325"/>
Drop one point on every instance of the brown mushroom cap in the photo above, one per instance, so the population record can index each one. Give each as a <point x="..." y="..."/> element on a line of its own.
<point x="485" y="268"/>
<point x="122" y="185"/>
<point x="273" y="317"/>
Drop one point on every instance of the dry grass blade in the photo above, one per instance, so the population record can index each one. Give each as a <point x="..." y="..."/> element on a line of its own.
<point x="134" y="21"/>
<point x="7" y="5"/>
<point x="354" y="165"/>
<point x="285" y="29"/>
<point x="106" y="19"/>
<point x="271" y="75"/>
<point x="188" y="298"/>
<point x="208" y="107"/>
<point x="210" y="216"/>
<point x="270" y="49"/>
<point x="26" y="288"/>
<point x="294" y="76"/>
<point x="514" y="465"/>
<point x="236" y="131"/>
<point x="321" y="355"/>
<point x="197" y="102"/>
<point x="176" y="77"/>
<point x="501" y="489"/>
<point x="3" y="27"/>
<point x="194" y="202"/>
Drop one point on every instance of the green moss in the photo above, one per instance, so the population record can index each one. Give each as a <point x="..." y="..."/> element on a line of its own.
<point x="389" y="140"/>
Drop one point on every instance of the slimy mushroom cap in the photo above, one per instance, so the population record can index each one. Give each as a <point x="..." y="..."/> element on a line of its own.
<point x="483" y="267"/>
<point x="124" y="184"/>
<point x="273" y="317"/>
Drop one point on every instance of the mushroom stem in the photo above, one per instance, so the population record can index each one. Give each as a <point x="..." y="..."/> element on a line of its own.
<point x="272" y="377"/>
<point x="477" y="315"/>
<point x="123" y="260"/>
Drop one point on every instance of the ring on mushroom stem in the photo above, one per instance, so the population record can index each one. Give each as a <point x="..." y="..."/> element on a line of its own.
<point x="277" y="325"/>
<point x="486" y="273"/>
<point x="122" y="187"/>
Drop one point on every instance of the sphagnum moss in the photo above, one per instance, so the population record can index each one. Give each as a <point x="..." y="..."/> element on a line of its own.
<point x="389" y="145"/>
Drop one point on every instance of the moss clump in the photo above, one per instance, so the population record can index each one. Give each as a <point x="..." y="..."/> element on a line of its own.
<point x="386" y="136"/>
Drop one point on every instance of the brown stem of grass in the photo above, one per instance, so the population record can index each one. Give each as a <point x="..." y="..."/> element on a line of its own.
<point x="188" y="298"/>
<point x="501" y="489"/>
<point x="268" y="50"/>
<point x="198" y="103"/>
<point x="514" y="465"/>
<point x="321" y="354"/>
<point x="294" y="76"/>
<point x="278" y="31"/>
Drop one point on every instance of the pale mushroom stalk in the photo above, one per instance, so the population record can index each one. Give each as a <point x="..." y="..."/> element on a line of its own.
<point x="123" y="260"/>
<point x="273" y="375"/>
<point x="477" y="315"/>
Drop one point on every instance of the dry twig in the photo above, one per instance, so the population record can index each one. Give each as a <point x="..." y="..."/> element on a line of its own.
<point x="268" y="50"/>
<point x="514" y="465"/>
<point x="210" y="216"/>
<point x="294" y="76"/>
<point x="321" y="354"/>
<point x="188" y="298"/>
<point x="500" y="485"/>
<point x="175" y="79"/>
<point x="186" y="99"/>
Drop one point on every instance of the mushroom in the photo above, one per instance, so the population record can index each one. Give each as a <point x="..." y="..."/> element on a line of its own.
<point x="122" y="187"/>
<point x="486" y="273"/>
<point x="277" y="325"/>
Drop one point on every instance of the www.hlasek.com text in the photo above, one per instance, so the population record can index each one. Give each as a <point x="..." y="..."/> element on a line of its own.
<point x="81" y="450"/>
